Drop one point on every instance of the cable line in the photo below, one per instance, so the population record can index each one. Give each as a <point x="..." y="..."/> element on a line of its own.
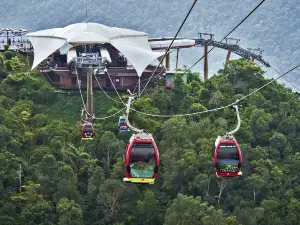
<point x="112" y="115"/>
<point x="268" y="83"/>
<point x="84" y="107"/>
<point x="105" y="70"/>
<point x="286" y="79"/>
<point x="115" y="89"/>
<point x="223" y="107"/>
<point x="195" y="1"/>
<point x="243" y="20"/>
<point x="104" y="91"/>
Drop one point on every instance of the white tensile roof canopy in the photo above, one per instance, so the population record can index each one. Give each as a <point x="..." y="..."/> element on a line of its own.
<point x="132" y="44"/>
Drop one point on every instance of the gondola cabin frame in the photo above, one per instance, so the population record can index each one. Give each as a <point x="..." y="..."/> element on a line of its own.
<point x="233" y="142"/>
<point x="141" y="138"/>
<point x="84" y="126"/>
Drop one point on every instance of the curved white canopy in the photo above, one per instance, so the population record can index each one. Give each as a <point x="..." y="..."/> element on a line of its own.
<point x="132" y="44"/>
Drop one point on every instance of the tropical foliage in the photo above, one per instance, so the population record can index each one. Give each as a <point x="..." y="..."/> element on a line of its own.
<point x="66" y="181"/>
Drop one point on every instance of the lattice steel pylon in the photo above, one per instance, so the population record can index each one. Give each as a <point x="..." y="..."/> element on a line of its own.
<point x="207" y="38"/>
<point x="234" y="47"/>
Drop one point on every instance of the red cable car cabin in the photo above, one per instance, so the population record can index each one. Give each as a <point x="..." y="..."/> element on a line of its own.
<point x="141" y="159"/>
<point x="227" y="158"/>
<point x="87" y="131"/>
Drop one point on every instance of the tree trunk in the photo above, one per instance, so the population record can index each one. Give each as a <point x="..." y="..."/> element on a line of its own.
<point x="108" y="162"/>
<point x="207" y="189"/>
<point x="222" y="184"/>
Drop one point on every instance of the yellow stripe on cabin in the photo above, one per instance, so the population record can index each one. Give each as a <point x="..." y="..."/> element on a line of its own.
<point x="142" y="180"/>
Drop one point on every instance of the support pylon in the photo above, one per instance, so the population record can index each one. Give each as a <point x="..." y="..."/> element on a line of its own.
<point x="205" y="62"/>
<point x="227" y="57"/>
<point x="168" y="61"/>
<point x="90" y="105"/>
<point x="177" y="56"/>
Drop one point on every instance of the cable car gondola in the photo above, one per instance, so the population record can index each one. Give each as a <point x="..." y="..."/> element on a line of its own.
<point x="227" y="157"/>
<point x="122" y="124"/>
<point x="141" y="159"/>
<point x="87" y="131"/>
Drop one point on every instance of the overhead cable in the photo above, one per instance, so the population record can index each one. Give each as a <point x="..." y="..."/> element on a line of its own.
<point x="84" y="107"/>
<point x="219" y="108"/>
<point x="112" y="83"/>
<point x="104" y="91"/>
<point x="243" y="20"/>
<point x="167" y="51"/>
<point x="286" y="79"/>
<point x="83" y="103"/>
<point x="112" y="115"/>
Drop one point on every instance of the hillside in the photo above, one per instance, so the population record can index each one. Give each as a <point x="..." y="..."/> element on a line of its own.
<point x="274" y="27"/>
<point x="66" y="181"/>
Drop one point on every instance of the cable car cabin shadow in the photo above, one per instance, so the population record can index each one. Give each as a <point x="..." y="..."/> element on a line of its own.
<point x="227" y="158"/>
<point x="141" y="161"/>
<point x="87" y="132"/>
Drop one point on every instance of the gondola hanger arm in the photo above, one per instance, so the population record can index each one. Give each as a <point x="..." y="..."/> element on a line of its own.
<point x="136" y="130"/>
<point x="238" y="118"/>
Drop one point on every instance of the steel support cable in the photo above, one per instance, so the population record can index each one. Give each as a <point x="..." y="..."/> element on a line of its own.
<point x="268" y="83"/>
<point x="112" y="115"/>
<point x="104" y="91"/>
<point x="167" y="51"/>
<point x="84" y="107"/>
<point x="223" y="107"/>
<point x="114" y="86"/>
<point x="227" y="34"/>
<point x="79" y="86"/>
<point x="146" y="79"/>
<point x="115" y="89"/>
<point x="286" y="79"/>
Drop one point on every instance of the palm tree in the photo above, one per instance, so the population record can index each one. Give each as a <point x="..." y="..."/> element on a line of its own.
<point x="71" y="153"/>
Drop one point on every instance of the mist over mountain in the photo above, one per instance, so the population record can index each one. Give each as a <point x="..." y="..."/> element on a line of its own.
<point x="274" y="27"/>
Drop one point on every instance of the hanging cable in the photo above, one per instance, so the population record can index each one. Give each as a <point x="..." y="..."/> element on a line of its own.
<point x="223" y="107"/>
<point x="115" y="89"/>
<point x="79" y="86"/>
<point x="84" y="107"/>
<point x="286" y="79"/>
<point x="112" y="115"/>
<point x="268" y="83"/>
<point x="105" y="70"/>
<point x="104" y="91"/>
<point x="243" y="20"/>
<point x="167" y="51"/>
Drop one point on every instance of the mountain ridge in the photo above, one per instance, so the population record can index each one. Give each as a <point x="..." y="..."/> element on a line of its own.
<point x="274" y="27"/>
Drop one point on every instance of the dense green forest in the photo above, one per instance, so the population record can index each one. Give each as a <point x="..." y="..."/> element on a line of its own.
<point x="69" y="182"/>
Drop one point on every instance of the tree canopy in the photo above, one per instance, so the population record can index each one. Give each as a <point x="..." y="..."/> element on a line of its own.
<point x="66" y="181"/>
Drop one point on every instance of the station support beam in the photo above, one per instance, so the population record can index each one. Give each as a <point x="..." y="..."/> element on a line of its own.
<point x="177" y="56"/>
<point x="168" y="61"/>
<point x="90" y="105"/>
<point x="227" y="57"/>
<point x="205" y="62"/>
